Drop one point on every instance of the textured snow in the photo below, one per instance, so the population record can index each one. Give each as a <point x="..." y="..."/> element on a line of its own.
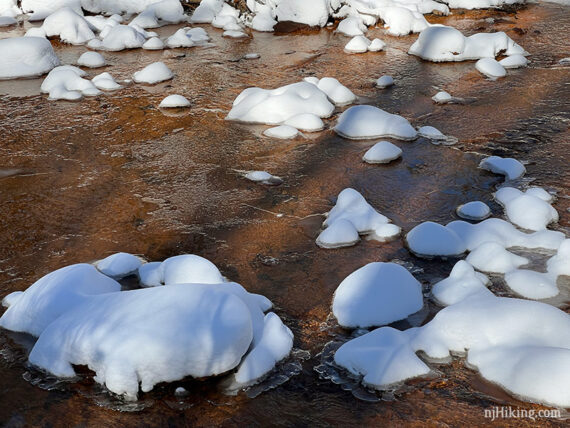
<point x="273" y="107"/>
<point x="118" y="265"/>
<point x="364" y="122"/>
<point x="283" y="132"/>
<point x="433" y="239"/>
<point x="26" y="57"/>
<point x="376" y="294"/>
<point x="91" y="60"/>
<point x="154" y="73"/>
<point x="174" y="101"/>
<point x="474" y="210"/>
<point x="382" y="152"/>
<point x="494" y="258"/>
<point x="525" y="209"/>
<point x="490" y="68"/>
<point x="54" y="294"/>
<point x="462" y="283"/>
<point x="384" y="82"/>
<point x="66" y="83"/>
<point x="509" y="167"/>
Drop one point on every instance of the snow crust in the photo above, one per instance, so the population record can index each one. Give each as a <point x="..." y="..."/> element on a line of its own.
<point x="26" y="57"/>
<point x="365" y="122"/>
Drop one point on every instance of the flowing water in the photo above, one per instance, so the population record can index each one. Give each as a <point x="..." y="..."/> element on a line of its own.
<point x="80" y="181"/>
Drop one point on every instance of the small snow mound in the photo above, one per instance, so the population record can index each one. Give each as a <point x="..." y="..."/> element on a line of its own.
<point x="375" y="295"/>
<point x="531" y="284"/>
<point x="365" y="122"/>
<point x="432" y="239"/>
<point x="382" y="152"/>
<point x="384" y="82"/>
<point x="91" y="60"/>
<point x="263" y="177"/>
<point x="431" y="133"/>
<point x="118" y="38"/>
<point x="525" y="209"/>
<point x="105" y="82"/>
<point x="509" y="167"/>
<point x="494" y="258"/>
<point x="341" y="233"/>
<point x="474" y="210"/>
<point x="119" y="265"/>
<point x="376" y="45"/>
<point x="66" y="83"/>
<point x="153" y="73"/>
<point x="442" y="97"/>
<point x="189" y="268"/>
<point x="11" y="298"/>
<point x="306" y="122"/>
<point x="160" y="13"/>
<point x="351" y="26"/>
<point x="339" y="94"/>
<point x="153" y="44"/>
<point x="490" y="68"/>
<point x="174" y="101"/>
<point x="514" y="61"/>
<point x="283" y="132"/>
<point x="461" y="283"/>
<point x="358" y="44"/>
<point x="252" y="56"/>
<point x="314" y="13"/>
<point x="70" y="26"/>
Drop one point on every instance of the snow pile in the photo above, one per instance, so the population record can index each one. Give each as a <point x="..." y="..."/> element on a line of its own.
<point x="273" y="107"/>
<point x="306" y="122"/>
<point x="70" y="26"/>
<point x="351" y="26"/>
<point x="363" y="122"/>
<point x="154" y="73"/>
<point x="461" y="283"/>
<point x="283" y="132"/>
<point x="502" y="337"/>
<point x="531" y="284"/>
<point x="384" y="82"/>
<point x="490" y="68"/>
<point x="174" y="101"/>
<point x="431" y="133"/>
<point x="440" y="43"/>
<point x="352" y="216"/>
<point x="194" y="325"/>
<point x="314" y="13"/>
<point x="91" y="60"/>
<point x="26" y="57"/>
<point x="105" y="82"/>
<point x="492" y="257"/>
<point x="360" y="44"/>
<point x="153" y="44"/>
<point x="188" y="37"/>
<point x="41" y="9"/>
<point x="160" y="13"/>
<point x="474" y="210"/>
<point x="263" y="177"/>
<point x="118" y="38"/>
<point x="67" y="83"/>
<point x="529" y="210"/>
<point x="509" y="167"/>
<point x="337" y="93"/>
<point x="430" y="239"/>
<point x="382" y="152"/>
<point x="514" y="61"/>
<point x="442" y="97"/>
<point x="401" y="21"/>
<point x="376" y="294"/>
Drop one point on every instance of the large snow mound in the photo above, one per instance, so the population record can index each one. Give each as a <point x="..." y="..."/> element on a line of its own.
<point x="26" y="57"/>
<point x="365" y="122"/>
<point x="376" y="294"/>
<point x="70" y="26"/>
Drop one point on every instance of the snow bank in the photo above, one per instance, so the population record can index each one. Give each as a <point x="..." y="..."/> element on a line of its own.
<point x="382" y="152"/>
<point x="462" y="283"/>
<point x="91" y="60"/>
<point x="174" y="101"/>
<point x="440" y="43"/>
<point x="273" y="107"/>
<point x="376" y="294"/>
<point x="474" y="210"/>
<point x="66" y="83"/>
<point x="525" y="209"/>
<point x="352" y="207"/>
<point x="364" y="122"/>
<point x="509" y="167"/>
<point x="432" y="239"/>
<point x="154" y="73"/>
<point x="26" y="57"/>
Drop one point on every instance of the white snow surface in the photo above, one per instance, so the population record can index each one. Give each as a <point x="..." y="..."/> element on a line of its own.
<point x="174" y="101"/>
<point x="26" y="57"/>
<point x="339" y="94"/>
<point x="531" y="284"/>
<point x="351" y="26"/>
<point x="41" y="9"/>
<point x="118" y="38"/>
<point x="514" y="61"/>
<point x="442" y="97"/>
<point x="376" y="294"/>
<point x="526" y="209"/>
<point x="154" y="43"/>
<point x="358" y="44"/>
<point x="382" y="152"/>
<point x="365" y="122"/>
<point x="263" y="177"/>
<point x="91" y="60"/>
<point x="474" y="210"/>
<point x="341" y="233"/>
<point x="509" y="167"/>
<point x="154" y="73"/>
<point x="273" y="107"/>
<point x="306" y="122"/>
<point x="189" y="268"/>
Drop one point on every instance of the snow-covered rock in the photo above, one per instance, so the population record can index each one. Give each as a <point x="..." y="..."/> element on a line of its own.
<point x="339" y="94"/>
<point x="314" y="13"/>
<point x="531" y="284"/>
<point x="54" y="294"/>
<point x="525" y="209"/>
<point x="431" y="133"/>
<point x="154" y="73"/>
<point x="376" y="294"/>
<point x="492" y="257"/>
<point x="263" y="177"/>
<point x="70" y="26"/>
<point x="384" y="81"/>
<point x="26" y="57"/>
<point x="358" y="44"/>
<point x="66" y="83"/>
<point x="490" y="68"/>
<point x="105" y="82"/>
<point x="509" y="167"/>
<point x="461" y="283"/>
<point x="153" y="44"/>
<point x="174" y="101"/>
<point x="341" y="233"/>
<point x="351" y="26"/>
<point x="119" y="265"/>
<point x="283" y="132"/>
<point x="160" y="13"/>
<point x="442" y="97"/>
<point x="376" y="45"/>
<point x="364" y="122"/>
<point x="118" y="38"/>
<point x="474" y="210"/>
<point x="382" y="152"/>
<point x="273" y="107"/>
<point x="91" y="60"/>
<point x="431" y="239"/>
<point x="188" y="37"/>
<point x="514" y="61"/>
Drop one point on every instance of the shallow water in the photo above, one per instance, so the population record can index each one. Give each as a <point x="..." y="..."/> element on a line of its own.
<point x="80" y="181"/>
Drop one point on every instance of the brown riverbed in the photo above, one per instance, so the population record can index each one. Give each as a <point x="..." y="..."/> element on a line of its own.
<point x="79" y="181"/>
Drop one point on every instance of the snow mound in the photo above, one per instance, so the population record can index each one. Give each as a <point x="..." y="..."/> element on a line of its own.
<point x="118" y="38"/>
<point x="206" y="11"/>
<point x="153" y="44"/>
<point x="490" y="68"/>
<point x="364" y="122"/>
<point x="54" y="294"/>
<point x="509" y="167"/>
<point x="382" y="152"/>
<point x="525" y="209"/>
<point x="400" y="21"/>
<point x="492" y="257"/>
<point x="187" y="38"/>
<point x="442" y="97"/>
<point x="431" y="239"/>
<point x="263" y="177"/>
<point x="273" y="107"/>
<point x="384" y="82"/>
<point x="439" y="43"/>
<point x="41" y="9"/>
<point x="531" y="284"/>
<point x="514" y="61"/>
<point x="376" y="294"/>
<point x="26" y="57"/>
<point x="351" y="26"/>
<point x="119" y="265"/>
<point x="283" y="132"/>
<point x="160" y="13"/>
<point x="91" y="60"/>
<point x="70" y="26"/>
<point x="105" y="82"/>
<point x="174" y="101"/>
<point x="431" y="133"/>
<point x="474" y="210"/>
<point x="234" y="34"/>
<point x="154" y="73"/>
<point x="352" y="206"/>
<point x="358" y="44"/>
<point x="150" y="275"/>
<point x="376" y="45"/>
<point x="306" y="122"/>
<point x="559" y="264"/>
<point x="314" y="13"/>
<point x="339" y="94"/>
<point x="65" y="83"/>
<point x="462" y="283"/>
<point x="189" y="268"/>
